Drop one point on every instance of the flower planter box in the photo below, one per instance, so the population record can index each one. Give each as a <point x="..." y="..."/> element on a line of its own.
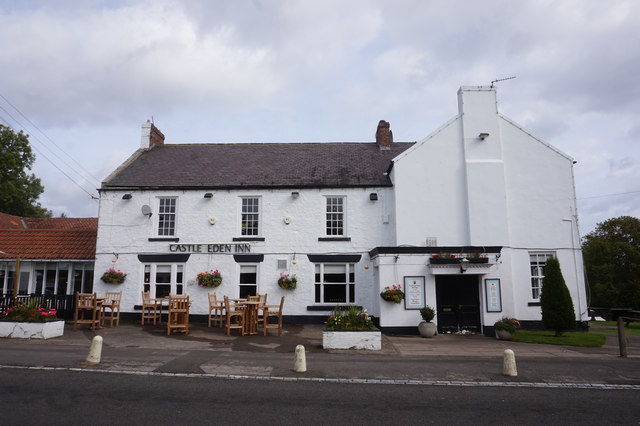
<point x="456" y="260"/>
<point x="31" y="330"/>
<point x="339" y="339"/>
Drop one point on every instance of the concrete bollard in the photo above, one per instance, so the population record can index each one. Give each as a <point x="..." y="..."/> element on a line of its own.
<point x="509" y="363"/>
<point x="300" y="363"/>
<point x="95" y="351"/>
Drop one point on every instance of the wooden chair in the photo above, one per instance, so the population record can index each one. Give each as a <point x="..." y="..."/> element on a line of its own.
<point x="178" y="319"/>
<point x="86" y="303"/>
<point x="216" y="310"/>
<point x="151" y="308"/>
<point x="272" y="311"/>
<point x="112" y="304"/>
<point x="231" y="313"/>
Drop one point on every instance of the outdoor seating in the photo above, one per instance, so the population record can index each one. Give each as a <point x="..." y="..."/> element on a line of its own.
<point x="234" y="318"/>
<point x="151" y="308"/>
<point x="87" y="310"/>
<point x="111" y="305"/>
<point x="178" y="319"/>
<point x="272" y="311"/>
<point x="216" y="311"/>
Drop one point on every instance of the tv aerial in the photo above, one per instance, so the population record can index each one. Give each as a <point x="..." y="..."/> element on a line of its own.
<point x="502" y="79"/>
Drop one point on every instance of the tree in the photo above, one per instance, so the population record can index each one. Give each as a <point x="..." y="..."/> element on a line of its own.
<point x="19" y="191"/>
<point x="612" y="260"/>
<point x="557" y="307"/>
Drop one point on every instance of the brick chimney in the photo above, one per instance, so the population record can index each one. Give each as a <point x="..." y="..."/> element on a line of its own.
<point x="151" y="135"/>
<point x="384" y="136"/>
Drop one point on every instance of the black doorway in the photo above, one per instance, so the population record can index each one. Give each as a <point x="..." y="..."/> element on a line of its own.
<point x="458" y="299"/>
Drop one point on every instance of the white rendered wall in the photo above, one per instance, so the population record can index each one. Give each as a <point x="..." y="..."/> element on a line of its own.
<point x="125" y="231"/>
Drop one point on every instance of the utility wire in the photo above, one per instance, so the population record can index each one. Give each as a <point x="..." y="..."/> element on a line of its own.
<point x="609" y="195"/>
<point x="49" y="160"/>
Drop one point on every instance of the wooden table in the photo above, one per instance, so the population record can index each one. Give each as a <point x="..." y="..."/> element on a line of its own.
<point x="251" y="317"/>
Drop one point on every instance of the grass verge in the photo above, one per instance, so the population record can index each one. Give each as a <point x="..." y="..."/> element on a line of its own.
<point x="585" y="340"/>
<point x="612" y="327"/>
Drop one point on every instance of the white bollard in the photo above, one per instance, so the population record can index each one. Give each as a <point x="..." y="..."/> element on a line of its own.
<point x="300" y="363"/>
<point x="509" y="363"/>
<point x="95" y="351"/>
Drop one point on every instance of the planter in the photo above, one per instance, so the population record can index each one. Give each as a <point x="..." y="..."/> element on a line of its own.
<point x="503" y="335"/>
<point x="456" y="260"/>
<point x="427" y="329"/>
<point x="31" y="330"/>
<point x="369" y="340"/>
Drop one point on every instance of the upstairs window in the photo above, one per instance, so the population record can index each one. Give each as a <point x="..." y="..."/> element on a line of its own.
<point x="537" y="262"/>
<point x="167" y="217"/>
<point x="250" y="216"/>
<point x="335" y="216"/>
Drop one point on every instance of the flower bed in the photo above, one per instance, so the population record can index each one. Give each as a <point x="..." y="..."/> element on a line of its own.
<point x="31" y="330"/>
<point x="351" y="328"/>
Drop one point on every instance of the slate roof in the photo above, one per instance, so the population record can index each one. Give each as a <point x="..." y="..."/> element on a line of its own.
<point x="48" y="238"/>
<point x="258" y="165"/>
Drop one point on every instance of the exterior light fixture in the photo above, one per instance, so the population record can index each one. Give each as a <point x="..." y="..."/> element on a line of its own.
<point x="373" y="196"/>
<point x="464" y="264"/>
<point x="295" y="194"/>
<point x="126" y="197"/>
<point x="208" y="195"/>
<point x="483" y="136"/>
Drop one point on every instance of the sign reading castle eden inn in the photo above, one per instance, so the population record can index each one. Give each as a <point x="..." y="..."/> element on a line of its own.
<point x="495" y="203"/>
<point x="229" y="248"/>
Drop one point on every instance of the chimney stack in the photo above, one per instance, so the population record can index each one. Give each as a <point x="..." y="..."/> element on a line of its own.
<point x="151" y="135"/>
<point x="384" y="136"/>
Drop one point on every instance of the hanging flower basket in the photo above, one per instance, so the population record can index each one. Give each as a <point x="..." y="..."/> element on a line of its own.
<point x="209" y="279"/>
<point x="113" y="276"/>
<point x="288" y="282"/>
<point x="393" y="294"/>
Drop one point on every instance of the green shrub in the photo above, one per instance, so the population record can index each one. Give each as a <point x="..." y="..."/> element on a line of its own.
<point x="558" y="313"/>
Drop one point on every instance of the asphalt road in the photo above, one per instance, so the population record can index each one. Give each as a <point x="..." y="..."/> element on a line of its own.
<point x="41" y="396"/>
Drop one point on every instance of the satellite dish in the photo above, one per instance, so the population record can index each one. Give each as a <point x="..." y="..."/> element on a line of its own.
<point x="146" y="210"/>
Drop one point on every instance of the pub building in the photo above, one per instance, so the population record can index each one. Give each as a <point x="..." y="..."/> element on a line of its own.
<point x="462" y="220"/>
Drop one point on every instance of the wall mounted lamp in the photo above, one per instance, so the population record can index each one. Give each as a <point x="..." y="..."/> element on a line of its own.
<point x="208" y="195"/>
<point x="373" y="196"/>
<point x="464" y="264"/>
<point x="126" y="197"/>
<point x="483" y="136"/>
<point x="295" y="194"/>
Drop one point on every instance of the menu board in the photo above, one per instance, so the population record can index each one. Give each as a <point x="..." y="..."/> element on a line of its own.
<point x="414" y="297"/>
<point x="493" y="296"/>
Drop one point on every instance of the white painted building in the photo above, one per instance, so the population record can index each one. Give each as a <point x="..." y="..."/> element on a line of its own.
<point x="463" y="220"/>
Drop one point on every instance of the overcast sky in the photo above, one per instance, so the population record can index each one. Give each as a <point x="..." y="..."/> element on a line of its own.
<point x="84" y="76"/>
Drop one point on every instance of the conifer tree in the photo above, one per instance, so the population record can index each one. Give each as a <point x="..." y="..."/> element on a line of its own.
<point x="558" y="313"/>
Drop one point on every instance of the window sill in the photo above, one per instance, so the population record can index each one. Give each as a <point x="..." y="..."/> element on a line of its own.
<point x="334" y="239"/>
<point x="172" y="239"/>
<point x="535" y="303"/>
<point x="328" y="308"/>
<point x="248" y="239"/>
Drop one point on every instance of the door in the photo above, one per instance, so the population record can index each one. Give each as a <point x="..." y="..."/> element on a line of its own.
<point x="458" y="300"/>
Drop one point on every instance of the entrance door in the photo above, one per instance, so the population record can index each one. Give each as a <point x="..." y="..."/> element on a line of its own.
<point x="458" y="299"/>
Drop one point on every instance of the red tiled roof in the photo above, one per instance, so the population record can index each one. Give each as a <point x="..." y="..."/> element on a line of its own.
<point x="8" y="221"/>
<point x="48" y="244"/>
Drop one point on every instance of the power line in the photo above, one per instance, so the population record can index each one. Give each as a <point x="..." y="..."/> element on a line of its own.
<point x="48" y="159"/>
<point x="609" y="195"/>
<point x="50" y="140"/>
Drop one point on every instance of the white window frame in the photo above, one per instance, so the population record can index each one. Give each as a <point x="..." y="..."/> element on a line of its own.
<point x="350" y="284"/>
<point x="150" y="283"/>
<point x="172" y="232"/>
<point x="330" y="216"/>
<point x="258" y="213"/>
<point x="257" y="283"/>
<point x="537" y="262"/>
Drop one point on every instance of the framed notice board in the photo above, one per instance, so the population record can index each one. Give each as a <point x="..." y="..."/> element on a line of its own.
<point x="414" y="296"/>
<point x="492" y="295"/>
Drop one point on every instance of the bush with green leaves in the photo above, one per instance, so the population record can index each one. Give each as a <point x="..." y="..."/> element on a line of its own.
<point x="558" y="313"/>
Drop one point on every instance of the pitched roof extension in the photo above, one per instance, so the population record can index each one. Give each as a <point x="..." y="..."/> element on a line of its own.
<point x="258" y="165"/>
<point x="8" y="221"/>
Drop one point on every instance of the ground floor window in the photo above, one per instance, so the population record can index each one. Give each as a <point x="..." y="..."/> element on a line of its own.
<point x="335" y="283"/>
<point x="48" y="277"/>
<point x="248" y="280"/>
<point x="538" y="260"/>
<point x="162" y="279"/>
